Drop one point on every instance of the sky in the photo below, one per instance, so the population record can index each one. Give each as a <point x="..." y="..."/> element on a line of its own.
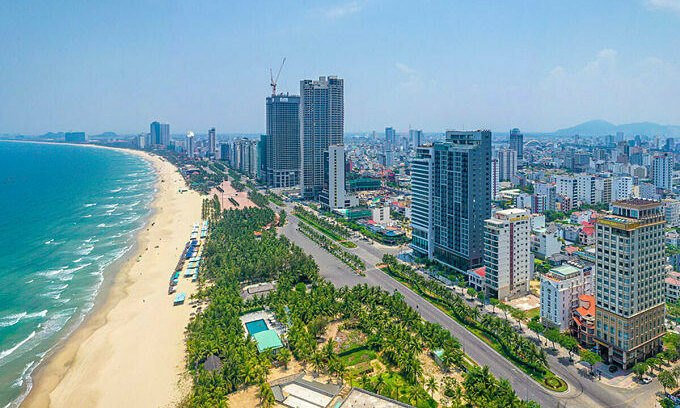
<point x="118" y="65"/>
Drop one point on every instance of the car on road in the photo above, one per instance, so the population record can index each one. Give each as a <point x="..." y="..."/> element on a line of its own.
<point x="613" y="368"/>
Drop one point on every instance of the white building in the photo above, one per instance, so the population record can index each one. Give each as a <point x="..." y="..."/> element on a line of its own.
<point x="662" y="171"/>
<point x="334" y="195"/>
<point x="560" y="289"/>
<point x="671" y="210"/>
<point x="381" y="215"/>
<point x="495" y="181"/>
<point x="545" y="244"/>
<point x="623" y="188"/>
<point x="585" y="188"/>
<point x="566" y="186"/>
<point x="507" y="254"/>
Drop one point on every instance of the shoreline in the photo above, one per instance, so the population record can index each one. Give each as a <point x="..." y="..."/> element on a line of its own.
<point x="132" y="312"/>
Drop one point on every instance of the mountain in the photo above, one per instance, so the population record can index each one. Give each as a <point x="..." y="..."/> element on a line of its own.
<point x="602" y="128"/>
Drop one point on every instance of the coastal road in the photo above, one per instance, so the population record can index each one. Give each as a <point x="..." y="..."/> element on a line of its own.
<point x="583" y="391"/>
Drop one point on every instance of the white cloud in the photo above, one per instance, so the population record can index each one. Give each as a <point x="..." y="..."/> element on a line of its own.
<point x="405" y="68"/>
<point x="673" y="5"/>
<point x="343" y="10"/>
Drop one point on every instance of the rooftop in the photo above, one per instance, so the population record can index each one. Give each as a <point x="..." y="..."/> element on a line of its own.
<point x="359" y="398"/>
<point x="637" y="203"/>
<point x="267" y="340"/>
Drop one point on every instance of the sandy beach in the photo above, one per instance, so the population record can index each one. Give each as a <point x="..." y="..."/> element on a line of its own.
<point x="130" y="351"/>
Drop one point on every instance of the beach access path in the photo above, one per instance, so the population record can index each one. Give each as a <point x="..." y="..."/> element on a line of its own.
<point x="130" y="351"/>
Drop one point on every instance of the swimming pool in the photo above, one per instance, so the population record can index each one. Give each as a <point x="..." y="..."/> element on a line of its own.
<point x="256" y="326"/>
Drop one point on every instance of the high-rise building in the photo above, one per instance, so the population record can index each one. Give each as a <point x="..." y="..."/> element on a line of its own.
<point x="585" y="188"/>
<point x="390" y="138"/>
<point x="461" y="198"/>
<point x="495" y="179"/>
<point x="334" y="194"/>
<point x="603" y="190"/>
<point x="282" y="161"/>
<point x="322" y="116"/>
<point x="416" y="136"/>
<point x="566" y="186"/>
<point x="507" y="254"/>
<point x="622" y="188"/>
<point x="190" y="144"/>
<point x="160" y="134"/>
<point x="517" y="143"/>
<point x="662" y="171"/>
<point x="550" y="193"/>
<point x="422" y="175"/>
<point x="212" y="143"/>
<point x="245" y="156"/>
<point x="630" y="289"/>
<point x="507" y="163"/>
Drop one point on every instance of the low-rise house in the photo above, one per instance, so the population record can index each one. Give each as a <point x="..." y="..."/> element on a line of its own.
<point x="583" y="321"/>
<point x="475" y="278"/>
<point x="545" y="244"/>
<point x="560" y="289"/>
<point x="672" y="286"/>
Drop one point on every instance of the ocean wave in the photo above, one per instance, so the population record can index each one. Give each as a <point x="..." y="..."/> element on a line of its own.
<point x="115" y="190"/>
<point x="84" y="250"/>
<point x="110" y="205"/>
<point x="87" y="216"/>
<point x="90" y="204"/>
<point x="49" y="242"/>
<point x="102" y="225"/>
<point x="9" y="351"/>
<point x="11" y="320"/>
<point x="78" y="260"/>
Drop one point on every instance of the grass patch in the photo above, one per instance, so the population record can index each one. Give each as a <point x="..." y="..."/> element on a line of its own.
<point x="361" y="356"/>
<point x="330" y="234"/>
<point x="393" y="385"/>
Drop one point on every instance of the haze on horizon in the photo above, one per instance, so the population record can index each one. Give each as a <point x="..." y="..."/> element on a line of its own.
<point x="539" y="66"/>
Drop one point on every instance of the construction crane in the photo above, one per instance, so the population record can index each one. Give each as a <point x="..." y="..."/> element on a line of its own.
<point x="275" y="80"/>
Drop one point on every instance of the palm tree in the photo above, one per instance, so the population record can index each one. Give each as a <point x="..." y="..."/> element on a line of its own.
<point x="380" y="383"/>
<point x="431" y="386"/>
<point x="317" y="362"/>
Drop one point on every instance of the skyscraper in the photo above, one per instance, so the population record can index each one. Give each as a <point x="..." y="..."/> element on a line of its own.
<point x="662" y="171"/>
<point x="390" y="138"/>
<point x="190" y="144"/>
<point x="495" y="189"/>
<point x="212" y="140"/>
<point x="507" y="254"/>
<point x="630" y="289"/>
<point x="507" y="164"/>
<point x="461" y="198"/>
<point x="334" y="194"/>
<point x="322" y="116"/>
<point x="517" y="143"/>
<point x="282" y="160"/>
<point x="422" y="174"/>
<point x="160" y="134"/>
<point x="416" y="136"/>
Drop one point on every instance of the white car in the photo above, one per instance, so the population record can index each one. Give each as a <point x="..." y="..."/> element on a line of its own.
<point x="645" y="380"/>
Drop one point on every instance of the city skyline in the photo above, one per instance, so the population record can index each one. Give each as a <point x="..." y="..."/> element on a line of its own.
<point x="525" y="67"/>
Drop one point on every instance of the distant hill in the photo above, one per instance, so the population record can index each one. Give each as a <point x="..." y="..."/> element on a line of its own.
<point x="602" y="128"/>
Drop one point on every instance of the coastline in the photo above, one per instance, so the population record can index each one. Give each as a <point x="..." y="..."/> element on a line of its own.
<point x="129" y="349"/>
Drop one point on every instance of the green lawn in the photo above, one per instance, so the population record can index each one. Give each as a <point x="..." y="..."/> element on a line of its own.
<point x="331" y="234"/>
<point x="358" y="357"/>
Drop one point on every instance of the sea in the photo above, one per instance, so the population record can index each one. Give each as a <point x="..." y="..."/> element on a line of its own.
<point x="67" y="214"/>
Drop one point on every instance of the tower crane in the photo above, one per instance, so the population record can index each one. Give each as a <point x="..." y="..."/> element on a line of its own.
<point x="275" y="80"/>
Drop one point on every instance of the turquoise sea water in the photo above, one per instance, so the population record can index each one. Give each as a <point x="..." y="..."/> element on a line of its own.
<point x="66" y="214"/>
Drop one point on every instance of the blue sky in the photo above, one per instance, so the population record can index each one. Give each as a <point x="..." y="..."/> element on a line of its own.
<point x="538" y="65"/>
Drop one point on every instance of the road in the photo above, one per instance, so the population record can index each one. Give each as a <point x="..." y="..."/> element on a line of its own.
<point x="583" y="391"/>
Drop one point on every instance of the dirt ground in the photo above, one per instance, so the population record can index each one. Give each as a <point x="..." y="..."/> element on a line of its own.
<point x="525" y="303"/>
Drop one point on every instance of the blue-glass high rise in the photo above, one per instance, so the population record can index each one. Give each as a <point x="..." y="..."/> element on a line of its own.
<point x="452" y="198"/>
<point x="282" y="142"/>
<point x="322" y="122"/>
